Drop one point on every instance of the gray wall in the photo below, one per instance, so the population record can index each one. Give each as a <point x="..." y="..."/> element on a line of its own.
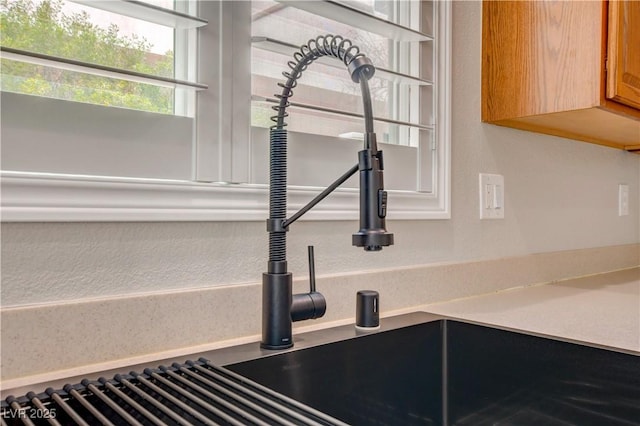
<point x="560" y="195"/>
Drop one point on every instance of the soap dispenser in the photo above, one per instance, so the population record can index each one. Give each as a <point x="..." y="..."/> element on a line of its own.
<point x="367" y="310"/>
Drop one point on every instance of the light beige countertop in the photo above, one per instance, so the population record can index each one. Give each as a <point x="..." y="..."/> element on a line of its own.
<point x="602" y="309"/>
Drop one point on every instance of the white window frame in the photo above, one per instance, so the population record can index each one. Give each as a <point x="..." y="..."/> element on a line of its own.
<point x="222" y="156"/>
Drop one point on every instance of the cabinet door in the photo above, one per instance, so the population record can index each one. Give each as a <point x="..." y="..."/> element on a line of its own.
<point x="623" y="54"/>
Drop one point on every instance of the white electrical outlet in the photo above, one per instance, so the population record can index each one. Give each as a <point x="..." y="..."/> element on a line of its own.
<point x="491" y="196"/>
<point x="623" y="199"/>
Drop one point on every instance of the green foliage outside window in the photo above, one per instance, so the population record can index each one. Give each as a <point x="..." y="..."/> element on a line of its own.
<point x="43" y="27"/>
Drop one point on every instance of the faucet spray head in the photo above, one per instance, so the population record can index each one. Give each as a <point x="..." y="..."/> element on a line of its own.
<point x="373" y="234"/>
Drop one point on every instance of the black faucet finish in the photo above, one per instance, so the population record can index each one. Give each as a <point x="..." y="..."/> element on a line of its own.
<point x="373" y="200"/>
<point x="279" y="306"/>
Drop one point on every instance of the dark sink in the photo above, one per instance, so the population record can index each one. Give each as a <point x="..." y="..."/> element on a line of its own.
<point x="448" y="372"/>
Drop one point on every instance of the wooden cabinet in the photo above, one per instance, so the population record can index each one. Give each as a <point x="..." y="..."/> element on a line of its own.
<point x="566" y="68"/>
<point x="623" y="53"/>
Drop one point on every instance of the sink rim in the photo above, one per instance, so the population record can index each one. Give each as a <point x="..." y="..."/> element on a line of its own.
<point x="305" y="340"/>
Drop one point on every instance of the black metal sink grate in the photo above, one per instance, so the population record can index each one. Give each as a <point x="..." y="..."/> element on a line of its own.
<point x="194" y="393"/>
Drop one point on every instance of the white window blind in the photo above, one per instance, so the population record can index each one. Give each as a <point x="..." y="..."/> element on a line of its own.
<point x="112" y="53"/>
<point x="166" y="117"/>
<point x="325" y="118"/>
<point x="100" y="88"/>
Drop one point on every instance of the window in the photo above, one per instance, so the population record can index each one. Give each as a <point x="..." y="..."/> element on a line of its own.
<point x="326" y="101"/>
<point x="278" y="30"/>
<point x="91" y="52"/>
<point x="98" y="88"/>
<point x="156" y="115"/>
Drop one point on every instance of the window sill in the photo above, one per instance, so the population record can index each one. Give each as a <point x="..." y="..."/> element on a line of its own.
<point x="35" y="197"/>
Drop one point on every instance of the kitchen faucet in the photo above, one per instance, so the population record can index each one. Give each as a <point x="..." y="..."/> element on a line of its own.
<point x="279" y="306"/>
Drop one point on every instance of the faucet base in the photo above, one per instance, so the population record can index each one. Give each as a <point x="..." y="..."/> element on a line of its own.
<point x="275" y="348"/>
<point x="276" y="310"/>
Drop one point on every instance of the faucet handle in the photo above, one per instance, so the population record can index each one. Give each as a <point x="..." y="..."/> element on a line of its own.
<point x="312" y="270"/>
<point x="310" y="305"/>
